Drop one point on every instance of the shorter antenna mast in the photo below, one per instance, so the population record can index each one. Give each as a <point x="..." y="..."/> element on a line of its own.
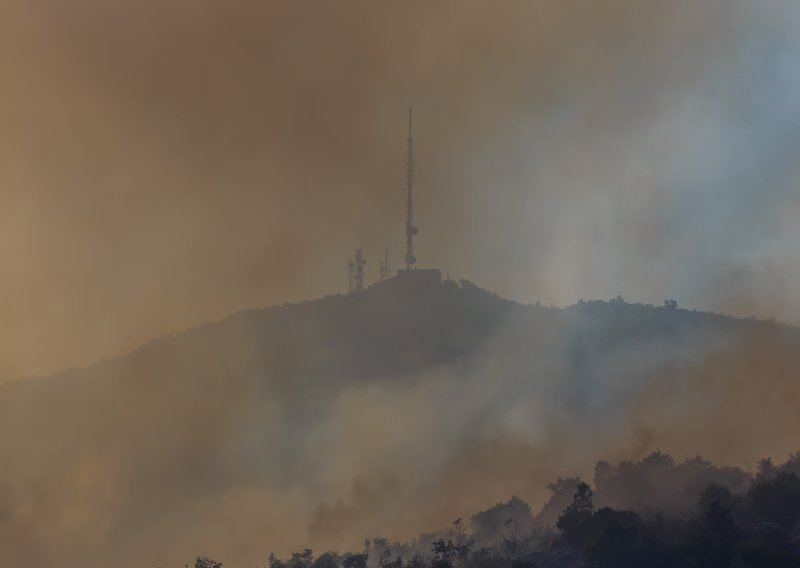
<point x="359" y="262"/>
<point x="386" y="270"/>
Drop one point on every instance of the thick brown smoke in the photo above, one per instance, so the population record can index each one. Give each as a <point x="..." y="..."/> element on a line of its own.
<point x="164" y="163"/>
<point x="273" y="431"/>
<point x="169" y="162"/>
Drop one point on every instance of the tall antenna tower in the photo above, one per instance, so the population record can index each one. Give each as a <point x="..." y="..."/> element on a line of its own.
<point x="359" y="263"/>
<point x="411" y="230"/>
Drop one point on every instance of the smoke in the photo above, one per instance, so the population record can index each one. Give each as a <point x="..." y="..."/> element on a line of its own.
<point x="318" y="425"/>
<point x="166" y="163"/>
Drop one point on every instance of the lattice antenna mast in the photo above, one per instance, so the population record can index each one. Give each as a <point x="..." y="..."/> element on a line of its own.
<point x="359" y="262"/>
<point x="411" y="230"/>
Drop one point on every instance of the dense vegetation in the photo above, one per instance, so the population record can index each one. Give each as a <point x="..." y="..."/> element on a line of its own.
<point x="328" y="421"/>
<point x="691" y="514"/>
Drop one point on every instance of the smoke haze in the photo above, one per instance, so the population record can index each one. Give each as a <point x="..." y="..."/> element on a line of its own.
<point x="317" y="424"/>
<point x="165" y="163"/>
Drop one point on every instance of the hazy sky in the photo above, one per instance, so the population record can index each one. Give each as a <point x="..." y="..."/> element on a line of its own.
<point x="167" y="162"/>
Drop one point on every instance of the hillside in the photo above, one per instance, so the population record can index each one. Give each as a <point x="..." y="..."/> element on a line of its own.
<point x="317" y="421"/>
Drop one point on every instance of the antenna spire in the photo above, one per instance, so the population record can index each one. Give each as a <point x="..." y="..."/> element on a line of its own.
<point x="411" y="230"/>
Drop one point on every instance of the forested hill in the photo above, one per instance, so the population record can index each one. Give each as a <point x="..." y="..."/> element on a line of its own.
<point x="376" y="334"/>
<point x="306" y="423"/>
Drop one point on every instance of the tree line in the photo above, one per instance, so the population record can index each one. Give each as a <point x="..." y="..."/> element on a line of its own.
<point x="654" y="513"/>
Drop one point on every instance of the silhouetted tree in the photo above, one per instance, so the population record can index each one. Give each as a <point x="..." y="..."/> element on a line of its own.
<point x="417" y="560"/>
<point x="573" y="522"/>
<point x="382" y="548"/>
<point x="715" y="493"/>
<point x="462" y="543"/>
<point x="792" y="465"/>
<point x="303" y="559"/>
<point x="206" y="562"/>
<point x="613" y="539"/>
<point x="275" y="562"/>
<point x="563" y="492"/>
<point x="444" y="552"/>
<point x="327" y="560"/>
<point x="776" y="499"/>
<point x="602" y="471"/>
<point x="355" y="560"/>
<point x="489" y="525"/>
<point x="482" y="558"/>
<point x="766" y="469"/>
<point x="396" y="563"/>
<point x="714" y="538"/>
<point x="516" y="539"/>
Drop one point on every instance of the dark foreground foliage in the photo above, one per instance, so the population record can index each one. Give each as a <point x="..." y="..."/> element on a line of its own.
<point x="733" y="523"/>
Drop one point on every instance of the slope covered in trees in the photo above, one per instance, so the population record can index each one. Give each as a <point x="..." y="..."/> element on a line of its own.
<point x="720" y="518"/>
<point x="319" y="422"/>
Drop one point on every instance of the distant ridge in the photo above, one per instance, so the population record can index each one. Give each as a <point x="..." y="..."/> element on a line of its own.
<point x="393" y="304"/>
